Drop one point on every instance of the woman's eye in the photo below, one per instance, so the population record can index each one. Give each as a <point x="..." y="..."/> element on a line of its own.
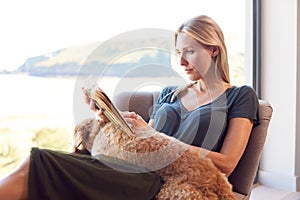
<point x="190" y="52"/>
<point x="178" y="53"/>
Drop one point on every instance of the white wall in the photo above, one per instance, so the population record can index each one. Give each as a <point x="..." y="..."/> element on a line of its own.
<point x="297" y="153"/>
<point x="280" y="167"/>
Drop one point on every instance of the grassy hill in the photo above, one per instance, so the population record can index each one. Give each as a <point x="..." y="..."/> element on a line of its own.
<point x="135" y="55"/>
<point x="114" y="57"/>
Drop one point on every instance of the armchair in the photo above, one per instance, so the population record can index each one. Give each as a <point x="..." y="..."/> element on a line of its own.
<point x="244" y="174"/>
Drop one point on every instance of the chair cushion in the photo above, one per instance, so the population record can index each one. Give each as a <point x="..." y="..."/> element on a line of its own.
<point x="243" y="176"/>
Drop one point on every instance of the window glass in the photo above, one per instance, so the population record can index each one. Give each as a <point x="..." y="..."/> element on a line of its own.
<point x="45" y="43"/>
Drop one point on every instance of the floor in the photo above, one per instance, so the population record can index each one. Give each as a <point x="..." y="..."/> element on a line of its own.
<point x="261" y="192"/>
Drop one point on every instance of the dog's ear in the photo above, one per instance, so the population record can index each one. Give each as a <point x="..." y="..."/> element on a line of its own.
<point x="84" y="135"/>
<point x="80" y="133"/>
<point x="77" y="139"/>
<point x="78" y="146"/>
<point x="82" y="151"/>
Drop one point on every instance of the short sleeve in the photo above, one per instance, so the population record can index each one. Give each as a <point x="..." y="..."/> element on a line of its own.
<point x="164" y="97"/>
<point x="245" y="104"/>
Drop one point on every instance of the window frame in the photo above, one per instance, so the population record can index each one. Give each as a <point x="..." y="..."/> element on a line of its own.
<point x="253" y="45"/>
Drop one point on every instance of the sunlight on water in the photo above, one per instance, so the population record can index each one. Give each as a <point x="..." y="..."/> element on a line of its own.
<point x="26" y="95"/>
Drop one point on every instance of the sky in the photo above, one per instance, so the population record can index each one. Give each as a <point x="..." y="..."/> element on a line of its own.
<point x="31" y="28"/>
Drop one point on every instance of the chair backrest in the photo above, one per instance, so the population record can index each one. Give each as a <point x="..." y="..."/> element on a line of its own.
<point x="139" y="102"/>
<point x="243" y="176"/>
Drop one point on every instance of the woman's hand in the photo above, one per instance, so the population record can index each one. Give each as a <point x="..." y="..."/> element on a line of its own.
<point x="88" y="100"/>
<point x="135" y="120"/>
<point x="98" y="111"/>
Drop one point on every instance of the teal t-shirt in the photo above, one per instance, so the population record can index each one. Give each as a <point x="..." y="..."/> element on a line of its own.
<point x="205" y="126"/>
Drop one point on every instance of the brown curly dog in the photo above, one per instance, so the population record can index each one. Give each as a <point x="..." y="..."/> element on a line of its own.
<point x="185" y="175"/>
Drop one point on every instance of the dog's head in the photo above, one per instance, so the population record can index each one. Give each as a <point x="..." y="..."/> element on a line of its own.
<point x="84" y="135"/>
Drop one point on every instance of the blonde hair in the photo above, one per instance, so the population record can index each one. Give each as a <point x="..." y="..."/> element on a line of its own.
<point x="208" y="33"/>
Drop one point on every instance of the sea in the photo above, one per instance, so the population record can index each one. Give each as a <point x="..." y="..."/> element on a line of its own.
<point x="23" y="95"/>
<point x="57" y="97"/>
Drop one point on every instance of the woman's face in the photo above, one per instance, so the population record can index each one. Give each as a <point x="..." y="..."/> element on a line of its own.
<point x="195" y="59"/>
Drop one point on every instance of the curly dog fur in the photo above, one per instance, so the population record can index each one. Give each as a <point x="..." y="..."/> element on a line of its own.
<point x="185" y="175"/>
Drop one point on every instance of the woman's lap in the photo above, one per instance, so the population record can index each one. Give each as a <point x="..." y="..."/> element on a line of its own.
<point x="58" y="175"/>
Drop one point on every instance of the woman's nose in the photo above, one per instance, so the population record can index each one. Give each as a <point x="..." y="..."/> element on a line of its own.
<point x="183" y="61"/>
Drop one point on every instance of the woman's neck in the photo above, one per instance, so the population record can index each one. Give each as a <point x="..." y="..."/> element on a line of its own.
<point x="213" y="88"/>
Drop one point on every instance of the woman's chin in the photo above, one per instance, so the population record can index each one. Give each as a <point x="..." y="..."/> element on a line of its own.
<point x="193" y="78"/>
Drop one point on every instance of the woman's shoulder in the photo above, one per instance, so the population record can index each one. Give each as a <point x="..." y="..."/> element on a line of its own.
<point x="241" y="95"/>
<point x="243" y="102"/>
<point x="166" y="94"/>
<point x="168" y="89"/>
<point x="242" y="89"/>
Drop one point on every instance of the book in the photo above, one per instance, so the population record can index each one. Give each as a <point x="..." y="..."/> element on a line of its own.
<point x="103" y="102"/>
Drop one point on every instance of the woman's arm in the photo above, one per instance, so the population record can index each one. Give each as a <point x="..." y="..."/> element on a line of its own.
<point x="235" y="142"/>
<point x="234" y="145"/>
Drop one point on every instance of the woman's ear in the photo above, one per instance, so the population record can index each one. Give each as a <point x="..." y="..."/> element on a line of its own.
<point x="215" y="51"/>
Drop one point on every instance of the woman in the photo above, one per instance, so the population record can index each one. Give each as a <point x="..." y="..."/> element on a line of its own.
<point x="213" y="116"/>
<point x="210" y="101"/>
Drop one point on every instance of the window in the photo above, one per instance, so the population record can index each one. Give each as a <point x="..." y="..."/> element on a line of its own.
<point x="57" y="37"/>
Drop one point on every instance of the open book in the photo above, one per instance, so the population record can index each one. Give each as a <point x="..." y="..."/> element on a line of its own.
<point x="103" y="102"/>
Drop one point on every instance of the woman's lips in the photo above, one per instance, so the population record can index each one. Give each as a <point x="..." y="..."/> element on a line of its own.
<point x="188" y="71"/>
